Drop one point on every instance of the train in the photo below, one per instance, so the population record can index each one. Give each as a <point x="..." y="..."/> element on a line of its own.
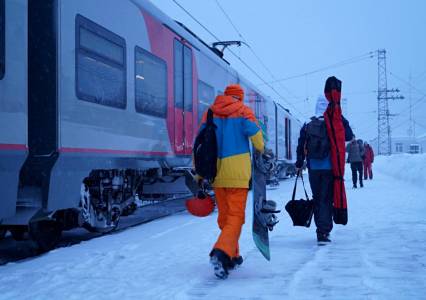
<point x="101" y="100"/>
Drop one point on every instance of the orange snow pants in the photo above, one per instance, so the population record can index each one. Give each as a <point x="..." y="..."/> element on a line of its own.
<point x="231" y="205"/>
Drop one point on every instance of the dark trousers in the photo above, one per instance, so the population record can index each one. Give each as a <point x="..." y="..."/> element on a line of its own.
<point x="356" y="167"/>
<point x="322" y="192"/>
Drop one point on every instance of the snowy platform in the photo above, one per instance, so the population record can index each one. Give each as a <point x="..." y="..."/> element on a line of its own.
<point x="380" y="254"/>
<point x="11" y="250"/>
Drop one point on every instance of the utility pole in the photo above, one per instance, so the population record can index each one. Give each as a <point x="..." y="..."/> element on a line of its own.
<point x="383" y="95"/>
<point x="411" y="132"/>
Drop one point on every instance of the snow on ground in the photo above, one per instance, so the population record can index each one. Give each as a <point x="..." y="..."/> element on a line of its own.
<point x="407" y="167"/>
<point x="380" y="254"/>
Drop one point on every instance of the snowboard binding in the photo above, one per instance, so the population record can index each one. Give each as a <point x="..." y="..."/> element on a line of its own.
<point x="268" y="211"/>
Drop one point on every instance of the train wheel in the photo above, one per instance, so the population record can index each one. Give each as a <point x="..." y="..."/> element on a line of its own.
<point x="46" y="234"/>
<point x="98" y="219"/>
<point x="18" y="233"/>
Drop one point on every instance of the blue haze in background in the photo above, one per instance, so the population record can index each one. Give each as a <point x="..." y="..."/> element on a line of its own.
<point x="295" y="37"/>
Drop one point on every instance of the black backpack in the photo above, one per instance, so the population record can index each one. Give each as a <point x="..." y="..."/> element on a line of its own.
<point x="205" y="150"/>
<point x="317" y="141"/>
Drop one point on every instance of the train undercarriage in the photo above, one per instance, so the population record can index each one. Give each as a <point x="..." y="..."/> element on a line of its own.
<point x="105" y="197"/>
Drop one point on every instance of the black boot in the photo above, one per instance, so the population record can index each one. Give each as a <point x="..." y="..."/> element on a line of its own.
<point x="235" y="262"/>
<point x="323" y="238"/>
<point x="220" y="261"/>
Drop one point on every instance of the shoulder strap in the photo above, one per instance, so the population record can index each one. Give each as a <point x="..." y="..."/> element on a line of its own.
<point x="295" y="185"/>
<point x="209" y="117"/>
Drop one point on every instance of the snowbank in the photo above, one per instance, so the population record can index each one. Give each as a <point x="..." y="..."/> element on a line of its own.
<point x="407" y="167"/>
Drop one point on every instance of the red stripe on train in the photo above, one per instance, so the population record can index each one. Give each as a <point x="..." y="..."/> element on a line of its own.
<point x="14" y="147"/>
<point x="113" y="151"/>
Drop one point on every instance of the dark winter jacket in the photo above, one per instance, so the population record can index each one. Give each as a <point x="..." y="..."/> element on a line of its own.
<point x="355" y="151"/>
<point x="301" y="151"/>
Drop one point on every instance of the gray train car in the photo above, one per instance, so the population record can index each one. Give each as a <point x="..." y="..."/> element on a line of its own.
<point x="99" y="101"/>
<point x="13" y="101"/>
<point x="286" y="128"/>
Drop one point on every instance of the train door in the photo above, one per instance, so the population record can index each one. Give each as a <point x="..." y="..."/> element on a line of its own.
<point x="183" y="98"/>
<point x="286" y="137"/>
<point x="288" y="152"/>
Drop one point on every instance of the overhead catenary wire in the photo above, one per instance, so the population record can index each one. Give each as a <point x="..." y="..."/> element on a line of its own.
<point x="420" y="124"/>
<point x="246" y="43"/>
<point x="198" y="22"/>
<point x="239" y="58"/>
<point x="417" y="102"/>
<point x="348" y="61"/>
<point x="407" y="83"/>
<point x="418" y="77"/>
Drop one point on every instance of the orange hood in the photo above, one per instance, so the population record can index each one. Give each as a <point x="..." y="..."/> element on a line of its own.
<point x="227" y="105"/>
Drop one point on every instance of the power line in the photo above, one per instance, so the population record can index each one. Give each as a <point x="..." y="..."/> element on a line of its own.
<point x="420" y="124"/>
<point x="252" y="50"/>
<point x="407" y="83"/>
<point x="199" y="23"/>
<point x="230" y="21"/>
<point x="238" y="57"/>
<point x="416" y="78"/>
<point x="419" y="101"/>
<point x="348" y="61"/>
<point x="270" y="86"/>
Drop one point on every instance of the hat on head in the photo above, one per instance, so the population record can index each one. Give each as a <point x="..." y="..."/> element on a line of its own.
<point x="235" y="90"/>
<point x="321" y="106"/>
<point x="333" y="89"/>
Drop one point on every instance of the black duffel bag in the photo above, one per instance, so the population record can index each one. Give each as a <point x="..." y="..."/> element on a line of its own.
<point x="300" y="211"/>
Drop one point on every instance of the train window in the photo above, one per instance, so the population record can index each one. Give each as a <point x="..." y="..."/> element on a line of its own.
<point x="205" y="98"/>
<point x="150" y="84"/>
<point x="100" y="64"/>
<point x="2" y="39"/>
<point x="187" y="75"/>
<point x="178" y="74"/>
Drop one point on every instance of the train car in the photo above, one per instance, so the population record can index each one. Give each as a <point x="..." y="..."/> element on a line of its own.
<point x="13" y="103"/>
<point x="287" y="129"/>
<point x="103" y="99"/>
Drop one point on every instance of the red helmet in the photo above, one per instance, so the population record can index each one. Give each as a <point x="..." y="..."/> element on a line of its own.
<point x="200" y="206"/>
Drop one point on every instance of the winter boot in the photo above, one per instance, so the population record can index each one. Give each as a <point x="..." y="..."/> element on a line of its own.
<point x="220" y="262"/>
<point x="354" y="186"/>
<point x="323" y="238"/>
<point x="361" y="184"/>
<point x="235" y="262"/>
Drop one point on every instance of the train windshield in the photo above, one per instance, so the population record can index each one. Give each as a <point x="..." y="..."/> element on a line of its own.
<point x="2" y="38"/>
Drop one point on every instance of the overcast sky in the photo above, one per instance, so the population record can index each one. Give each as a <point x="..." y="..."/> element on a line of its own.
<point x="297" y="37"/>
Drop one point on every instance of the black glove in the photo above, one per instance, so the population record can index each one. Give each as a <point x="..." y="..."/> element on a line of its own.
<point x="203" y="184"/>
<point x="299" y="164"/>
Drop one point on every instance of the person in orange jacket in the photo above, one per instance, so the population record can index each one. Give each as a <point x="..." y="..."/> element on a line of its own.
<point x="236" y="126"/>
<point x="368" y="161"/>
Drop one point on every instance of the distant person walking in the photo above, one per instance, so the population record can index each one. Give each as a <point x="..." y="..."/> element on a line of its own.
<point x="355" y="151"/>
<point x="368" y="161"/>
<point x="236" y="127"/>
